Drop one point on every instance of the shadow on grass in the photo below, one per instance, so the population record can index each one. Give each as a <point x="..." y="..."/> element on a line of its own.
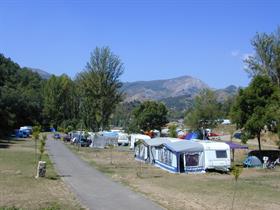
<point x="4" y="146"/>
<point x="6" y="143"/>
<point x="214" y="171"/>
<point x="57" y="177"/>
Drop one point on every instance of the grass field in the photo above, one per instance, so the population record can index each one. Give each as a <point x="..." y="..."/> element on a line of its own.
<point x="19" y="188"/>
<point x="256" y="188"/>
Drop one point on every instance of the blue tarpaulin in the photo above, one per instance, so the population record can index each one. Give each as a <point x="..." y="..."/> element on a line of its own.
<point x="236" y="146"/>
<point x="194" y="135"/>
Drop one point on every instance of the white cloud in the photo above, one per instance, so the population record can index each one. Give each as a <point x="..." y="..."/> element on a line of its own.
<point x="235" y="53"/>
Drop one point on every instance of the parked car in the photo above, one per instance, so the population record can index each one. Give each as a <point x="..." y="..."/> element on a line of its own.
<point x="123" y="139"/>
<point x="56" y="136"/>
<point x="29" y="129"/>
<point x="84" y="142"/>
<point x="237" y="135"/>
<point x="23" y="134"/>
<point x="66" y="138"/>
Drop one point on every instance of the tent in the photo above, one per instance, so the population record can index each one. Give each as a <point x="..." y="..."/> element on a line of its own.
<point x="252" y="161"/>
<point x="144" y="147"/>
<point x="194" y="135"/>
<point x="179" y="156"/>
<point x="103" y="141"/>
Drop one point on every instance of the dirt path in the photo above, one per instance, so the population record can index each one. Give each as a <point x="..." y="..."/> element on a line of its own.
<point x="95" y="190"/>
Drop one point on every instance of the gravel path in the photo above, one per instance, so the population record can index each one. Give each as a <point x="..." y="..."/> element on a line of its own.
<point x="95" y="190"/>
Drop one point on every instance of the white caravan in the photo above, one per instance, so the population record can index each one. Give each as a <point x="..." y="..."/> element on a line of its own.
<point x="216" y="155"/>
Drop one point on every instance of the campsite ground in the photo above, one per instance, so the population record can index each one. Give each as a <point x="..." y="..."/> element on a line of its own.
<point x="268" y="139"/>
<point x="19" y="188"/>
<point x="255" y="189"/>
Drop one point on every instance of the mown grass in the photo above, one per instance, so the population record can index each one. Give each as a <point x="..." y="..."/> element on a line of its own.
<point x="19" y="189"/>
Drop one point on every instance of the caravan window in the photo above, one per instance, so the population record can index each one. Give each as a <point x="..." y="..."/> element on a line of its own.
<point x="192" y="159"/>
<point x="142" y="151"/>
<point x="137" y="150"/>
<point x="165" y="156"/>
<point x="221" y="154"/>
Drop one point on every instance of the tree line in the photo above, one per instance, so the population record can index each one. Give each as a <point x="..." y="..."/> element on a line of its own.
<point x="93" y="100"/>
<point x="21" y="101"/>
<point x="87" y="102"/>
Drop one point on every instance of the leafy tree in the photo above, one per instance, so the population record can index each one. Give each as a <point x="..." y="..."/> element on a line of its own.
<point x="225" y="106"/>
<point x="99" y="87"/>
<point x="20" y="96"/>
<point x="36" y="136"/>
<point x="205" y="111"/>
<point x="60" y="101"/>
<point x="236" y="172"/>
<point x="42" y="146"/>
<point x="266" y="60"/>
<point x="172" y="131"/>
<point x="29" y="93"/>
<point x="150" y="115"/>
<point x="123" y="114"/>
<point x="257" y="107"/>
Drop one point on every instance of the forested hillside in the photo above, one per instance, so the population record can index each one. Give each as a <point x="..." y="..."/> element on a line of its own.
<point x="21" y="100"/>
<point x="87" y="102"/>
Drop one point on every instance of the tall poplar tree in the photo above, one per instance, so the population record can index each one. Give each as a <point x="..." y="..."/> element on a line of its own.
<point x="100" y="88"/>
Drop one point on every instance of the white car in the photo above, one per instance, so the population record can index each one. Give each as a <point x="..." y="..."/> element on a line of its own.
<point x="123" y="139"/>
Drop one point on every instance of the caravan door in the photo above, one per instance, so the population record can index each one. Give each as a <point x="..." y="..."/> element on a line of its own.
<point x="194" y="162"/>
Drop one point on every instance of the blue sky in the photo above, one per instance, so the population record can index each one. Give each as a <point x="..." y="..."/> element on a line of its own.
<point x="155" y="39"/>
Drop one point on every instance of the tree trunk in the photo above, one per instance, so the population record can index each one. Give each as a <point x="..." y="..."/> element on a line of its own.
<point x="259" y="140"/>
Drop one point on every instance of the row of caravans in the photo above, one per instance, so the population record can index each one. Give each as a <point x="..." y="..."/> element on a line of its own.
<point x="182" y="156"/>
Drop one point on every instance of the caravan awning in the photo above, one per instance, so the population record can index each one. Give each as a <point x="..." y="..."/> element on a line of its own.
<point x="236" y="146"/>
<point x="184" y="146"/>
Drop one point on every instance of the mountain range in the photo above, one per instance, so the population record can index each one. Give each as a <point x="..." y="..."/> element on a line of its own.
<point x="177" y="93"/>
<point x="159" y="89"/>
<point x="42" y="73"/>
<point x="186" y="87"/>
